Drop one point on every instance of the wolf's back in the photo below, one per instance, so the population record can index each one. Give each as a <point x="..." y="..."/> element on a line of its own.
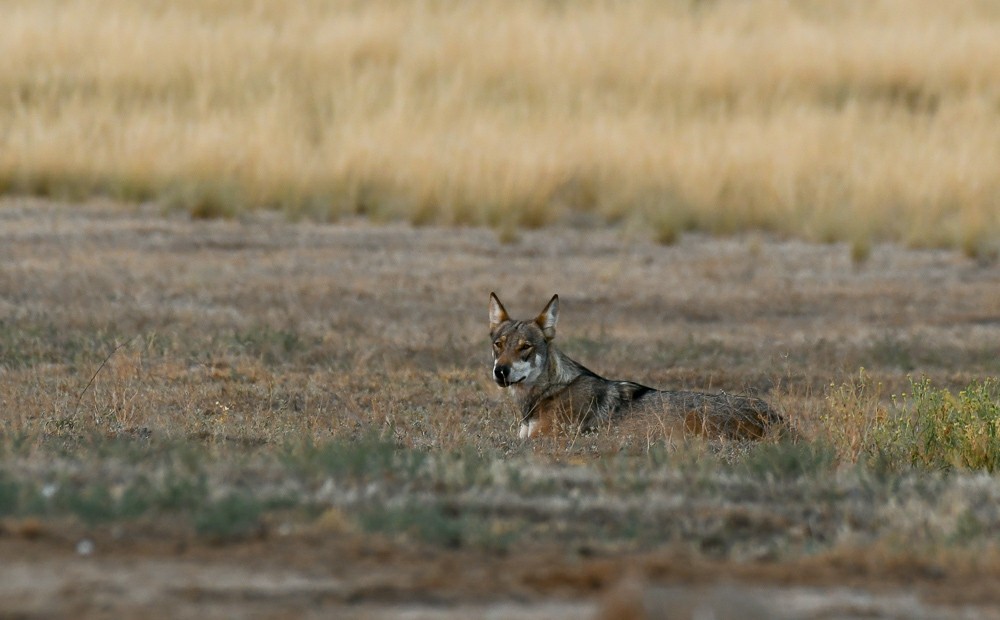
<point x="712" y="414"/>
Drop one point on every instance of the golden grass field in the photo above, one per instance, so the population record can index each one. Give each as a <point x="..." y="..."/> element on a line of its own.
<point x="857" y="121"/>
<point x="255" y="417"/>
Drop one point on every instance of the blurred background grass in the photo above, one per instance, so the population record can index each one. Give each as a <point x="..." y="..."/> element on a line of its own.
<point x="853" y="121"/>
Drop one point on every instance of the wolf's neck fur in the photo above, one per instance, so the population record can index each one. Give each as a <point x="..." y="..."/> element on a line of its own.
<point x="560" y="371"/>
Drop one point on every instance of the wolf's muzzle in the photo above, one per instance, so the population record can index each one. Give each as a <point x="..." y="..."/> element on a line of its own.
<point x="501" y="374"/>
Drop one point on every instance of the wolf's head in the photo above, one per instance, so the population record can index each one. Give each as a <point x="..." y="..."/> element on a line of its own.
<point x="521" y="348"/>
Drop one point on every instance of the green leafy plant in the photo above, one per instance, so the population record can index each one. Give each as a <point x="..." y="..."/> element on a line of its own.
<point x="948" y="430"/>
<point x="928" y="427"/>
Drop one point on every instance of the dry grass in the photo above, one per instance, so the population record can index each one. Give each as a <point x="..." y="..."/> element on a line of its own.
<point x="830" y="121"/>
<point x="261" y="331"/>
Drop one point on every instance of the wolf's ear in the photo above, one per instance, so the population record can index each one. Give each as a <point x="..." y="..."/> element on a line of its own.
<point x="497" y="313"/>
<point x="547" y="319"/>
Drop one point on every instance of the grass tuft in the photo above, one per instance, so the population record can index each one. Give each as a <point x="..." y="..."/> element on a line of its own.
<point x="855" y="417"/>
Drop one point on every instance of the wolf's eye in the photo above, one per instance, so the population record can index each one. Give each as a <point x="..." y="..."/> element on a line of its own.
<point x="496" y="345"/>
<point x="524" y="348"/>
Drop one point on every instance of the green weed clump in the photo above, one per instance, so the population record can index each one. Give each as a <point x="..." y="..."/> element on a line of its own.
<point x="946" y="430"/>
<point x="928" y="428"/>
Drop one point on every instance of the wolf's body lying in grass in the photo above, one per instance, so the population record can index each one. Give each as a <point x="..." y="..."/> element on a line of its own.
<point x="553" y="391"/>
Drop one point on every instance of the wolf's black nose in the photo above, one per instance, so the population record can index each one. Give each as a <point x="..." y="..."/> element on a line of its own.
<point x="500" y="373"/>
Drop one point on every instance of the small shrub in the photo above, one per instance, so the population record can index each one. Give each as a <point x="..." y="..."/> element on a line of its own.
<point x="948" y="431"/>
<point x="928" y="428"/>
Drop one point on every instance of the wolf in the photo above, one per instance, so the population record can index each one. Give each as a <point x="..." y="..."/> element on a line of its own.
<point x="554" y="392"/>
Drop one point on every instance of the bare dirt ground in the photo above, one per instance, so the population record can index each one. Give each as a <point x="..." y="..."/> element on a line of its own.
<point x="244" y="335"/>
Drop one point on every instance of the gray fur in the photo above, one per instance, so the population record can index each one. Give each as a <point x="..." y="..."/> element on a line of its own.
<point x="554" y="391"/>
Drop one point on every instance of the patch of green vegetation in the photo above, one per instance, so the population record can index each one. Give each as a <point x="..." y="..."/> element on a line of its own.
<point x="136" y="500"/>
<point x="370" y="456"/>
<point x="929" y="428"/>
<point x="692" y="458"/>
<point x="28" y="343"/>
<point x="95" y="501"/>
<point x="10" y="495"/>
<point x="461" y="469"/>
<point x="232" y="517"/>
<point x="178" y="492"/>
<point x="61" y="185"/>
<point x="180" y="488"/>
<point x="979" y="243"/>
<point x="153" y="478"/>
<point x="92" y="503"/>
<point x="441" y="524"/>
<point x="948" y="430"/>
<point x="127" y="449"/>
<point x="789" y="460"/>
<point x="430" y="523"/>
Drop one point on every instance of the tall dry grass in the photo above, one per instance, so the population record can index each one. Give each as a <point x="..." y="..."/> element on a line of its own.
<point x="828" y="120"/>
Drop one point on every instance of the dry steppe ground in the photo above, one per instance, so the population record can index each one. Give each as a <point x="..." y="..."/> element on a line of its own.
<point x="261" y="418"/>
